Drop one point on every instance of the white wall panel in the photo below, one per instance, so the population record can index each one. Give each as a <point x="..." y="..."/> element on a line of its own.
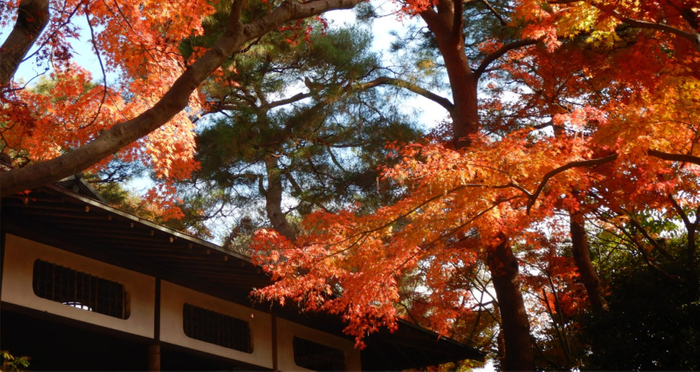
<point x="173" y="299"/>
<point x="20" y="255"/>
<point x="286" y="331"/>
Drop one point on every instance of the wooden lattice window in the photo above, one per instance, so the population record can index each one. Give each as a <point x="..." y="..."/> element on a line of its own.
<point x="317" y="357"/>
<point x="216" y="328"/>
<point x="80" y="290"/>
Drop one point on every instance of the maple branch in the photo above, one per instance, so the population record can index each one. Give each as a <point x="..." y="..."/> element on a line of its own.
<point x="690" y="227"/>
<point x="500" y="52"/>
<point x="442" y="101"/>
<point x="689" y="15"/>
<point x="680" y="212"/>
<point x="643" y="253"/>
<point x="675" y="157"/>
<point x="174" y="100"/>
<point x="408" y="312"/>
<point x="463" y="225"/>
<point x="565" y="167"/>
<point x="692" y="37"/>
<point x="363" y="234"/>
<point x="102" y="67"/>
<point x="32" y="18"/>
<point x="562" y="341"/>
<point x="481" y="305"/>
<point x="646" y="234"/>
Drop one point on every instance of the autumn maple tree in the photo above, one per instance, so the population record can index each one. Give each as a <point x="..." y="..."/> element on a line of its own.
<point x="605" y="121"/>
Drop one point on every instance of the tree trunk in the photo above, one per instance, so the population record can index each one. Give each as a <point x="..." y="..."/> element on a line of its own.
<point x="32" y="17"/>
<point x="519" y="353"/>
<point x="692" y="266"/>
<point x="273" y="199"/>
<point x="446" y="25"/>
<point x="445" y="21"/>
<point x="582" y="258"/>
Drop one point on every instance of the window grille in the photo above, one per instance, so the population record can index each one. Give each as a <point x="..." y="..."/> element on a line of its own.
<point x="80" y="290"/>
<point x="215" y="328"/>
<point x="318" y="357"/>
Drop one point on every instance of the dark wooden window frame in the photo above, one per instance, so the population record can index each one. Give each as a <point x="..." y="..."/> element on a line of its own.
<point x="316" y="356"/>
<point x="216" y="328"/>
<point x="79" y="289"/>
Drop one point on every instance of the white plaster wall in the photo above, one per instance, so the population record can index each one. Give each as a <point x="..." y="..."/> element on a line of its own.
<point x="173" y="299"/>
<point x="286" y="331"/>
<point x="17" y="276"/>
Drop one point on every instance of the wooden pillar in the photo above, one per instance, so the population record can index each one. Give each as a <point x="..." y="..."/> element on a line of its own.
<point x="2" y="264"/>
<point x="154" y="348"/>
<point x="154" y="357"/>
<point x="274" y="340"/>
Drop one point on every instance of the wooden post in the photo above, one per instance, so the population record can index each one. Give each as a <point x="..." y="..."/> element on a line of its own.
<point x="2" y="264"/>
<point x="154" y="349"/>
<point x="273" y="317"/>
<point x="154" y="357"/>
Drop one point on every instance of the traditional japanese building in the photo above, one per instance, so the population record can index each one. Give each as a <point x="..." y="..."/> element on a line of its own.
<point x="89" y="287"/>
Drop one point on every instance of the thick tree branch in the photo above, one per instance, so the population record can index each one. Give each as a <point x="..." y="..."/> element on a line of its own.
<point x="500" y="52"/>
<point x="674" y="157"/>
<point x="124" y="133"/>
<point x="282" y="102"/>
<point x="442" y="101"/>
<point x="565" y="167"/>
<point x="32" y="17"/>
<point x="266" y="106"/>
